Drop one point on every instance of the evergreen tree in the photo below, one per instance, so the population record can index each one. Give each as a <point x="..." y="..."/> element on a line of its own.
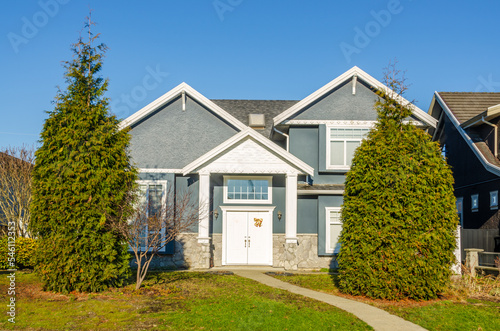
<point x="399" y="216"/>
<point x="82" y="174"/>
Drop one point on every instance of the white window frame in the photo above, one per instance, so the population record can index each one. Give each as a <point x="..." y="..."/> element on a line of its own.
<point x="329" y="140"/>
<point x="269" y="199"/>
<point x="328" y="248"/>
<point x="476" y="198"/>
<point x="493" y="200"/>
<point x="164" y="184"/>
<point x="460" y="211"/>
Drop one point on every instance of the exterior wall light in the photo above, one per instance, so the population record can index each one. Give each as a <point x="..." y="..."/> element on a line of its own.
<point x="216" y="214"/>
<point x="280" y="215"/>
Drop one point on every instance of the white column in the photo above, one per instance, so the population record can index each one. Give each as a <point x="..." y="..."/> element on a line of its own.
<point x="204" y="208"/>
<point x="291" y="209"/>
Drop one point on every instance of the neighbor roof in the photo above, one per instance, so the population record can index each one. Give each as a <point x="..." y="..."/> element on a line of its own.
<point x="240" y="109"/>
<point x="466" y="105"/>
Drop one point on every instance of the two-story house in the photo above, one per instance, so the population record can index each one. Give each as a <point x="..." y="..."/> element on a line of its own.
<point x="468" y="134"/>
<point x="268" y="174"/>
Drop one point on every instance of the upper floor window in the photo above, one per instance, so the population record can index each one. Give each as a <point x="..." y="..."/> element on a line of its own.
<point x="248" y="189"/>
<point x="474" y="201"/>
<point x="341" y="144"/>
<point x="494" y="199"/>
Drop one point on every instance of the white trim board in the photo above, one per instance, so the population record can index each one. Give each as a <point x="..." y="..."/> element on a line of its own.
<point x="180" y="89"/>
<point x="489" y="167"/>
<point x="360" y="74"/>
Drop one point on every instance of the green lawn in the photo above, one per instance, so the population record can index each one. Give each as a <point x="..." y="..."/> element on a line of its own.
<point x="174" y="300"/>
<point x="466" y="314"/>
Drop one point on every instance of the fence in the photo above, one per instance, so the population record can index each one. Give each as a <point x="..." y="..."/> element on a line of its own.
<point x="478" y="238"/>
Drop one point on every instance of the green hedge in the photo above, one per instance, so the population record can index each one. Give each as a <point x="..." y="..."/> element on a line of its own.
<point x="24" y="252"/>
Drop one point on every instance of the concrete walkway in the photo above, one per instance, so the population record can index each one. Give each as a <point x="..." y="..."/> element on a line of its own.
<point x="377" y="318"/>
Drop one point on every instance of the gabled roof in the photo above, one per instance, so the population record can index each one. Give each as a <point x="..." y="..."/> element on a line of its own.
<point x="467" y="105"/>
<point x="174" y="93"/>
<point x="348" y="75"/>
<point x="461" y="100"/>
<point x="240" y="109"/>
<point x="249" y="133"/>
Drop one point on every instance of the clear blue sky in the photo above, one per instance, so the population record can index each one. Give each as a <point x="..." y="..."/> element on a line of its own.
<point x="233" y="49"/>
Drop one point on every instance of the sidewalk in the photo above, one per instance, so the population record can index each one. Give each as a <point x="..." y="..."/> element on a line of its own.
<point x="378" y="319"/>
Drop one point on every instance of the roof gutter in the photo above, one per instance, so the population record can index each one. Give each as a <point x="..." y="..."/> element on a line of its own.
<point x="286" y="136"/>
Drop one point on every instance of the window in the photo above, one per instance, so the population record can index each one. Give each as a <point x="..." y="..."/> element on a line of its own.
<point x="341" y="144"/>
<point x="494" y="200"/>
<point x="248" y="189"/>
<point x="460" y="210"/>
<point x="474" y="202"/>
<point x="152" y="199"/>
<point x="333" y="229"/>
<point x="444" y="152"/>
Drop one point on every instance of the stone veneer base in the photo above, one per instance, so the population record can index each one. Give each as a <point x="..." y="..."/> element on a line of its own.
<point x="189" y="254"/>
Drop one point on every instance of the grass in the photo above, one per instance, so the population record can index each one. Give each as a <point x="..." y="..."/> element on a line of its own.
<point x="453" y="312"/>
<point x="173" y="300"/>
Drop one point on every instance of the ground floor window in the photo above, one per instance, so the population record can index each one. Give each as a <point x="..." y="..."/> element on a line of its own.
<point x="151" y="204"/>
<point x="333" y="229"/>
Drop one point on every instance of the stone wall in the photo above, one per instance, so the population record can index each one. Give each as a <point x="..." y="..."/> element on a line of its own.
<point x="303" y="255"/>
<point x="189" y="254"/>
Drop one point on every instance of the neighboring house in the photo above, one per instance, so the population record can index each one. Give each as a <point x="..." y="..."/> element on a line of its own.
<point x="269" y="174"/>
<point x="468" y="134"/>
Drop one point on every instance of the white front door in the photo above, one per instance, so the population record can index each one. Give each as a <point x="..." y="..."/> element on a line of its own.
<point x="248" y="237"/>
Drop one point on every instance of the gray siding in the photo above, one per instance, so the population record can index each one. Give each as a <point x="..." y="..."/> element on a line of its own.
<point x="341" y="105"/>
<point x="172" y="138"/>
<point x="307" y="214"/>
<point x="309" y="145"/>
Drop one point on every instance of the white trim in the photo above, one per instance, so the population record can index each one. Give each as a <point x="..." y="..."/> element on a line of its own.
<point x="160" y="170"/>
<point x="291" y="209"/>
<point x="204" y="206"/>
<point x="180" y="89"/>
<point x="164" y="184"/>
<point x="249" y="132"/>
<point x="225" y="209"/>
<point x="328" y="249"/>
<point x="489" y="167"/>
<point x="419" y="113"/>
<point x="319" y="192"/>
<point x="346" y="123"/>
<point x="269" y="199"/>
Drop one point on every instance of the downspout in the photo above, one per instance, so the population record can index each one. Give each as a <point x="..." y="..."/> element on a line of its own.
<point x="286" y="136"/>
<point x="496" y="135"/>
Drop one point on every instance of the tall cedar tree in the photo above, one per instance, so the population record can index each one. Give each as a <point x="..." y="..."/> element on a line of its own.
<point x="82" y="174"/>
<point x="399" y="216"/>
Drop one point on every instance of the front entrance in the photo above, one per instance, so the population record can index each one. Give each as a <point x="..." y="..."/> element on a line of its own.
<point x="247" y="237"/>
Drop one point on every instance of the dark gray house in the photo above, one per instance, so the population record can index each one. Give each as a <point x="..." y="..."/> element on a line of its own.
<point x="467" y="131"/>
<point x="269" y="173"/>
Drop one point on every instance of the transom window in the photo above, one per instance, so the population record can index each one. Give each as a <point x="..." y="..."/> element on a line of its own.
<point x="342" y="142"/>
<point x="247" y="189"/>
<point x="333" y="229"/>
